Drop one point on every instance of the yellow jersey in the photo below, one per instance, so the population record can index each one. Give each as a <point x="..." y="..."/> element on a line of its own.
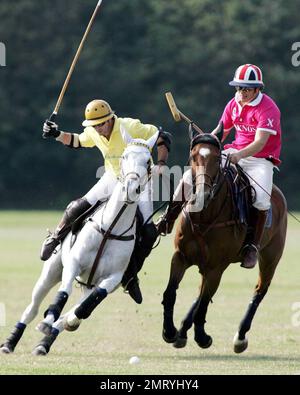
<point x="112" y="150"/>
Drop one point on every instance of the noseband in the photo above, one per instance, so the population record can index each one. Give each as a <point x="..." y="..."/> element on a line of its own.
<point x="133" y="175"/>
<point x="213" y="183"/>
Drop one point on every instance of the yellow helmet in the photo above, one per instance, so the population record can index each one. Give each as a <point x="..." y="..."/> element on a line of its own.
<point x="97" y="111"/>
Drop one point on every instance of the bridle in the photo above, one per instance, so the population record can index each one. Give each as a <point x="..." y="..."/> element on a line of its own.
<point x="133" y="175"/>
<point x="213" y="183"/>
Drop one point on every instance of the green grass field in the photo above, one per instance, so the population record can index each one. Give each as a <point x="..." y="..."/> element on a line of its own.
<point x="120" y="329"/>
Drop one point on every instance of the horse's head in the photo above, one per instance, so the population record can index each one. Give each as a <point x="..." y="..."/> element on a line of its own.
<point x="135" y="165"/>
<point x="205" y="161"/>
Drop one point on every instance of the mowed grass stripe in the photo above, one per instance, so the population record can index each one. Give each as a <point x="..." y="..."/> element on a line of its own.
<point x="120" y="329"/>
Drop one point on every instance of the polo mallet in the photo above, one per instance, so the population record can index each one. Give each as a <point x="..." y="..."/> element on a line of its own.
<point x="65" y="86"/>
<point x="178" y="115"/>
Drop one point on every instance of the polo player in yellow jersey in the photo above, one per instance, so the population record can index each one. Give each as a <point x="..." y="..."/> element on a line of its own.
<point x="102" y="130"/>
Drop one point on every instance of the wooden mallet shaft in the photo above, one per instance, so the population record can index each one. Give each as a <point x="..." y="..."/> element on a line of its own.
<point x="75" y="60"/>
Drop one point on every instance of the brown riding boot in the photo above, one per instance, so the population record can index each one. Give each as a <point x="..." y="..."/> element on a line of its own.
<point x="73" y="211"/>
<point x="251" y="249"/>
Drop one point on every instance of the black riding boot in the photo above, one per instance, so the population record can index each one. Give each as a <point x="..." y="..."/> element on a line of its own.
<point x="253" y="240"/>
<point x="73" y="211"/>
<point x="166" y="222"/>
<point x="142" y="250"/>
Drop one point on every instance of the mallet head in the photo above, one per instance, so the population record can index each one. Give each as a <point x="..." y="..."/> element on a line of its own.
<point x="174" y="110"/>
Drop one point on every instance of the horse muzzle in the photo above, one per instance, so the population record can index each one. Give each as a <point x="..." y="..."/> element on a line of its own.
<point x="131" y="190"/>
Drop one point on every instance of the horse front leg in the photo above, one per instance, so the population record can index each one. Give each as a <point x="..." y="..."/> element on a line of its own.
<point x="178" y="268"/>
<point x="54" y="310"/>
<point x="45" y="344"/>
<point x="267" y="266"/>
<point x="186" y="324"/>
<point x="90" y="302"/>
<point x="210" y="284"/>
<point x="50" y="276"/>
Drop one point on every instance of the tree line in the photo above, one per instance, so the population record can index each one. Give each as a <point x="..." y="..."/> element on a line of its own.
<point x="137" y="50"/>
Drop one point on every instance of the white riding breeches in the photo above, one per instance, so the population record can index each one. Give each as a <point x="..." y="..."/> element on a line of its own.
<point x="260" y="173"/>
<point x="104" y="189"/>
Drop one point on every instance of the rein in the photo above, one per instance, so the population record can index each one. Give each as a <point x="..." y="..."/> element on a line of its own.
<point x="215" y="186"/>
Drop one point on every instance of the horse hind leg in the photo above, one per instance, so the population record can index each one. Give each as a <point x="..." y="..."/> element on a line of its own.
<point x="49" y="277"/>
<point x="10" y="344"/>
<point x="268" y="262"/>
<point x="53" y="312"/>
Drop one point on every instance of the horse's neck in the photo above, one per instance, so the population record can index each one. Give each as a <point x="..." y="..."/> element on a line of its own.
<point x="106" y="216"/>
<point x="219" y="206"/>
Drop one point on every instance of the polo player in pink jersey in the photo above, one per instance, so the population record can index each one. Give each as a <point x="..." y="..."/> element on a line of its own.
<point x="256" y="148"/>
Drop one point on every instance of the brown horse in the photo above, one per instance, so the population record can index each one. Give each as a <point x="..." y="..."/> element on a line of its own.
<point x="211" y="240"/>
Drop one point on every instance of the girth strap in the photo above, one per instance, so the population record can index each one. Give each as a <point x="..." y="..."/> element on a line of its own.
<point x="111" y="236"/>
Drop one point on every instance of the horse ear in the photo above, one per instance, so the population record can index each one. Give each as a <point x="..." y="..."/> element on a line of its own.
<point x="219" y="131"/>
<point x="125" y="135"/>
<point x="152" y="141"/>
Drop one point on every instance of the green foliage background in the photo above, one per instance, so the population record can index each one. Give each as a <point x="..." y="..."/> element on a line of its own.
<point x="137" y="50"/>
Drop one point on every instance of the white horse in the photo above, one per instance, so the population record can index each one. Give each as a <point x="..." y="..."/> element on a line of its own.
<point x="111" y="229"/>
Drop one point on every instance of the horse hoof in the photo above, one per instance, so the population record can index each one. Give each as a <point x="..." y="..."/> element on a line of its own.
<point x="239" y="346"/>
<point x="170" y="339"/>
<point x="44" y="328"/>
<point x="6" y="350"/>
<point x="71" y="325"/>
<point x="39" y="351"/>
<point x="180" y="342"/>
<point x="206" y="342"/>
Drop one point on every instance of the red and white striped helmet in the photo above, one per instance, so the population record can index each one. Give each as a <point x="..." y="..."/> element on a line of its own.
<point x="248" y="76"/>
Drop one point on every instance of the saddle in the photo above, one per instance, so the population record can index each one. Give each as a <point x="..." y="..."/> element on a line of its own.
<point x="243" y="194"/>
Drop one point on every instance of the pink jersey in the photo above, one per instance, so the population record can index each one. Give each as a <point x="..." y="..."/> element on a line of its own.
<point x="263" y="114"/>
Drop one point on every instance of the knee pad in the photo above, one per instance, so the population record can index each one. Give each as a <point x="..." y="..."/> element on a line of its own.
<point x="88" y="305"/>
<point x="76" y="208"/>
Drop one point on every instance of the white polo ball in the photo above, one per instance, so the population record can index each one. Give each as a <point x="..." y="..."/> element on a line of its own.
<point x="134" y="360"/>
